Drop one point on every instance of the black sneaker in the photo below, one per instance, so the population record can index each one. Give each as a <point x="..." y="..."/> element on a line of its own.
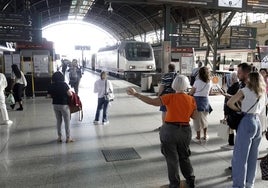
<point x="19" y="109"/>
<point x="12" y="106"/>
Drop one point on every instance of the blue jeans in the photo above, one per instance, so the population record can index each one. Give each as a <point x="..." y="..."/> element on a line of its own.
<point x="244" y="162"/>
<point x="102" y="105"/>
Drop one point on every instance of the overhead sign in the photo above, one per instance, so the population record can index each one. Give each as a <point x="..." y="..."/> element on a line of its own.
<point x="185" y="35"/>
<point x="248" y="32"/>
<point x="185" y="41"/>
<point x="19" y="28"/>
<point x="79" y="47"/>
<point x="243" y="43"/>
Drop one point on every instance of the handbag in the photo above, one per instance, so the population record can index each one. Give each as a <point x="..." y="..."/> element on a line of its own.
<point x="223" y="130"/>
<point x="10" y="99"/>
<point x="108" y="95"/>
<point x="233" y="119"/>
<point x="264" y="167"/>
<point x="75" y="105"/>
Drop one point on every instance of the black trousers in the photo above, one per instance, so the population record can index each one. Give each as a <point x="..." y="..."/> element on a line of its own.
<point x="175" y="142"/>
<point x="18" y="92"/>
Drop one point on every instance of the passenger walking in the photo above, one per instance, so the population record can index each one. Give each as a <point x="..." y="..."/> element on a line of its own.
<point x="60" y="92"/>
<point x="75" y="75"/>
<point x="18" y="85"/>
<point x="64" y="65"/>
<point x="102" y="86"/>
<point x="165" y="88"/>
<point x="200" y="91"/>
<point x="253" y="101"/>
<point x="175" y="134"/>
<point x="3" y="85"/>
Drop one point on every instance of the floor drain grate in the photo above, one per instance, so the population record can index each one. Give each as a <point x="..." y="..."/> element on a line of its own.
<point x="120" y="154"/>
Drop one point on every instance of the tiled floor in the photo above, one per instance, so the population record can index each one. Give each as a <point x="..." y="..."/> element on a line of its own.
<point x="31" y="157"/>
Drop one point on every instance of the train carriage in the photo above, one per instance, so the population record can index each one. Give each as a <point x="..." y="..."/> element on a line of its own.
<point x="126" y="58"/>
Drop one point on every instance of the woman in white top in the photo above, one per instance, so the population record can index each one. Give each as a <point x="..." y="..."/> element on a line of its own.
<point x="200" y="91"/>
<point x="3" y="85"/>
<point x="19" y="83"/>
<point x="102" y="87"/>
<point x="252" y="99"/>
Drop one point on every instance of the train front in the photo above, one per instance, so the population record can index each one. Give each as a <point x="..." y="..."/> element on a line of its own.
<point x="136" y="58"/>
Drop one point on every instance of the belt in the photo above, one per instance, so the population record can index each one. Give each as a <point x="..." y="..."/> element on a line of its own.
<point x="183" y="124"/>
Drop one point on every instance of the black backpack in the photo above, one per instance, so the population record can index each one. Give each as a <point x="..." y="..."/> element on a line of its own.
<point x="193" y="77"/>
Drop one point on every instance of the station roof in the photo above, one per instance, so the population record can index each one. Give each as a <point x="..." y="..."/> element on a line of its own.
<point x="125" y="18"/>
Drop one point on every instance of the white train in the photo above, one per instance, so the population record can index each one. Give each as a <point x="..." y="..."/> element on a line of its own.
<point x="126" y="59"/>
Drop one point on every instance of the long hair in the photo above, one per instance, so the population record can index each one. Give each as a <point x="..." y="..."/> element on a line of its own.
<point x="256" y="83"/>
<point x="204" y="74"/>
<point x="16" y="70"/>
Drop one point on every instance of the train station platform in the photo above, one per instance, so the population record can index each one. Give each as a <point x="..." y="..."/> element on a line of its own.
<point x="123" y="154"/>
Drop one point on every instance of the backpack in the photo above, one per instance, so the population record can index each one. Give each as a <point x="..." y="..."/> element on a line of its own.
<point x="75" y="105"/>
<point x="193" y="77"/>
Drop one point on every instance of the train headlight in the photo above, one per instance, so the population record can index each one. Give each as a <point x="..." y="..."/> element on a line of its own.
<point x="132" y="67"/>
<point x="149" y="67"/>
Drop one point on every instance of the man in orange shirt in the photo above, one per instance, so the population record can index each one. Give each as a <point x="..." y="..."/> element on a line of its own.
<point x="175" y="134"/>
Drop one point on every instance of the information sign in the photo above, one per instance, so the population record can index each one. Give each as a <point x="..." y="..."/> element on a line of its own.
<point x="185" y="41"/>
<point x="242" y="43"/>
<point x="248" y="32"/>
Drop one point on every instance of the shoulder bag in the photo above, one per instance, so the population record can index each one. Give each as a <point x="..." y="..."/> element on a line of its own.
<point x="233" y="119"/>
<point x="108" y="95"/>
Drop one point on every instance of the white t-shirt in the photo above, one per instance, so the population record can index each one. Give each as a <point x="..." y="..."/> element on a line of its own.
<point x="250" y="99"/>
<point x="20" y="80"/>
<point x="3" y="82"/>
<point x="202" y="89"/>
<point x="99" y="87"/>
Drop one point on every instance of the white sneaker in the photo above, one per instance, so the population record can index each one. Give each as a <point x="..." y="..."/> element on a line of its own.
<point x="105" y="123"/>
<point x="8" y="122"/>
<point x="95" y="122"/>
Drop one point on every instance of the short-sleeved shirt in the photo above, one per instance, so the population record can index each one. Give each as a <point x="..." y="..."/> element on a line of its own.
<point x="180" y="107"/>
<point x="58" y="92"/>
<point x="250" y="98"/>
<point x="202" y="89"/>
<point x="166" y="81"/>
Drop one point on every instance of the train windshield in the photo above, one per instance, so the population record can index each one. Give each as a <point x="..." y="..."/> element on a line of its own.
<point x="138" y="51"/>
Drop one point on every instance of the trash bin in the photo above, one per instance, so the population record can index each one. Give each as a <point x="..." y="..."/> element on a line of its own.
<point x="146" y="81"/>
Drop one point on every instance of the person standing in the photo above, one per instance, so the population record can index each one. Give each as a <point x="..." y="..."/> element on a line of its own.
<point x="195" y="71"/>
<point x="200" y="91"/>
<point x="60" y="92"/>
<point x="165" y="88"/>
<point x="102" y="86"/>
<point x="234" y="87"/>
<point x="75" y="75"/>
<point x="3" y="85"/>
<point x="18" y="86"/>
<point x="253" y="100"/>
<point x="175" y="134"/>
